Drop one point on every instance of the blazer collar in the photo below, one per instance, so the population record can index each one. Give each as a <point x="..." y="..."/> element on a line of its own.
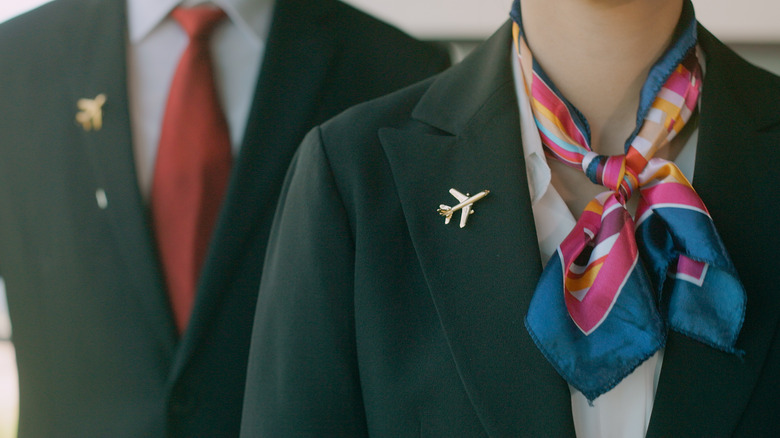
<point x="294" y="68"/>
<point x="482" y="276"/>
<point x="702" y="391"/>
<point x="100" y="67"/>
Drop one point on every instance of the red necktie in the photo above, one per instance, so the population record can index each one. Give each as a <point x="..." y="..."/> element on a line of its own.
<point x="193" y="164"/>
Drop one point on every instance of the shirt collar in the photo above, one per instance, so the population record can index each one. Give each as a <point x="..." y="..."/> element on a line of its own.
<point x="252" y="17"/>
<point x="537" y="169"/>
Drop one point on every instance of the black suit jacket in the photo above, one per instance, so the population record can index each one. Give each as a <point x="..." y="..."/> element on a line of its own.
<point x="375" y="318"/>
<point x="97" y="351"/>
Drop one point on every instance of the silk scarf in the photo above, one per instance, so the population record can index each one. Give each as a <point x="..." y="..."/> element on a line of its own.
<point x="616" y="284"/>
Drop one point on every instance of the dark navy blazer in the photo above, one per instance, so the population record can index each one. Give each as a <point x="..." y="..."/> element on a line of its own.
<point x="377" y="319"/>
<point x="97" y="350"/>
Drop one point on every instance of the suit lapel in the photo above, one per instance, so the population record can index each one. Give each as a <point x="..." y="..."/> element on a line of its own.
<point x="702" y="391"/>
<point x="482" y="276"/>
<point x="101" y="45"/>
<point x="293" y="70"/>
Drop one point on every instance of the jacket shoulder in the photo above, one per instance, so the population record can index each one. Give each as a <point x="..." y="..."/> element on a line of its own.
<point x="42" y="23"/>
<point x="352" y="21"/>
<point x="381" y="43"/>
<point x="41" y="39"/>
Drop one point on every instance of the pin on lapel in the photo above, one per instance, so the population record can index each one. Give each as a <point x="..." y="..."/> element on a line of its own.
<point x="465" y="203"/>
<point x="91" y="115"/>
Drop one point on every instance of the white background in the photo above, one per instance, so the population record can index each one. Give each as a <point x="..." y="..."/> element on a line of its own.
<point x="732" y="20"/>
<point x="9" y="8"/>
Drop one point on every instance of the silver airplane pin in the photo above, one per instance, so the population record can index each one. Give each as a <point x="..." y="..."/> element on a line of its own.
<point x="465" y="203"/>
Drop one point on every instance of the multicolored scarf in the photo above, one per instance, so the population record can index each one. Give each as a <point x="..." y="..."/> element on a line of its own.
<point x="615" y="286"/>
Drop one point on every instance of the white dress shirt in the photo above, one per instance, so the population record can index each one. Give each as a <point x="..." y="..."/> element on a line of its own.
<point x="155" y="44"/>
<point x="624" y="411"/>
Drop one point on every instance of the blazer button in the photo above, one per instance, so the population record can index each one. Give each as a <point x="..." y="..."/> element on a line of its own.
<point x="102" y="199"/>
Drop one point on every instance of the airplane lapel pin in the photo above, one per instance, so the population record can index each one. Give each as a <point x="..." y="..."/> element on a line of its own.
<point x="465" y="203"/>
<point x="91" y="115"/>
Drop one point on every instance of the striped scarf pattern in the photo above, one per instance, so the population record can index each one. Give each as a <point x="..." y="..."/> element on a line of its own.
<point x="615" y="286"/>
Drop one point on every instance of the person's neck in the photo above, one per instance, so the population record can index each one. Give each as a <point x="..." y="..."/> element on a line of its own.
<point x="598" y="54"/>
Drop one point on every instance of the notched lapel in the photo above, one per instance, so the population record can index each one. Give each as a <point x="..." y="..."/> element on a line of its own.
<point x="295" y="65"/>
<point x="482" y="276"/>
<point x="110" y="151"/>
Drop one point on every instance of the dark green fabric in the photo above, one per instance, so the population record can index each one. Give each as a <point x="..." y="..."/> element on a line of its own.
<point x="377" y="319"/>
<point x="97" y="350"/>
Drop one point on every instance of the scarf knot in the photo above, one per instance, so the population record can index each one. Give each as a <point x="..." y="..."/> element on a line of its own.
<point x="613" y="172"/>
<point x="618" y="283"/>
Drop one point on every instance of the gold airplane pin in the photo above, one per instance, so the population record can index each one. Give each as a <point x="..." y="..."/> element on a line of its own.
<point x="464" y="205"/>
<point x="91" y="115"/>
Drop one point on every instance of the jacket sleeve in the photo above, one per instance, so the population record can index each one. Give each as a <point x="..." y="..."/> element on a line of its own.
<point x="302" y="378"/>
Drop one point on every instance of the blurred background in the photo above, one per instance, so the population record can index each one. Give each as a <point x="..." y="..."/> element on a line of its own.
<point x="751" y="27"/>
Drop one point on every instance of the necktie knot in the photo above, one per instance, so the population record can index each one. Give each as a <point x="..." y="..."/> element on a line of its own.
<point x="198" y="22"/>
<point x="612" y="172"/>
